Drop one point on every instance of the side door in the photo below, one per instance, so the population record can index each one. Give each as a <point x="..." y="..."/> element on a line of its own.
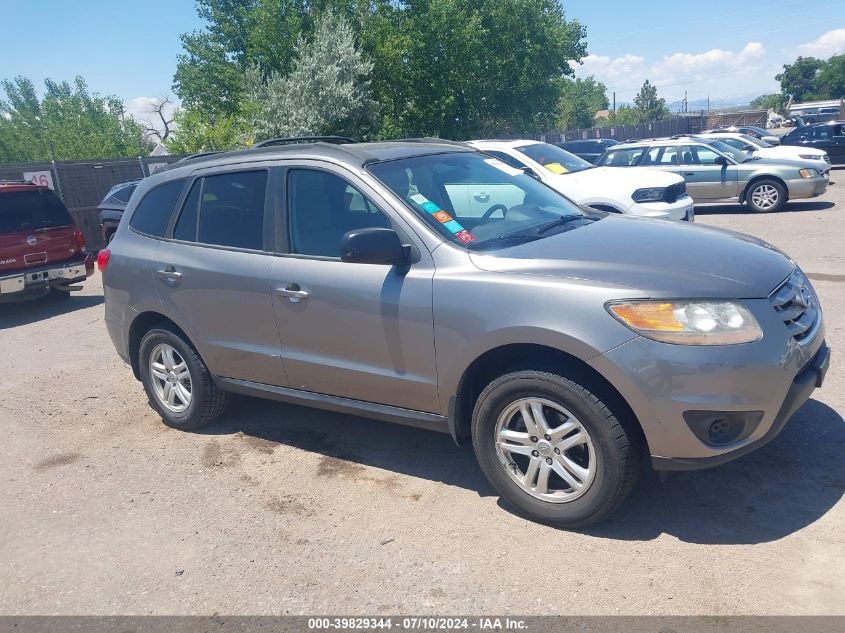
<point x="836" y="149"/>
<point x="212" y="272"/>
<point x="360" y="331"/>
<point x="706" y="178"/>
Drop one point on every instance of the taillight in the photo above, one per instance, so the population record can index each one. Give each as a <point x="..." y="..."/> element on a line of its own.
<point x="103" y="259"/>
<point x="80" y="239"/>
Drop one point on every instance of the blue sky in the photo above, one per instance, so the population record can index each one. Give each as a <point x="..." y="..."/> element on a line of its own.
<point x="721" y="47"/>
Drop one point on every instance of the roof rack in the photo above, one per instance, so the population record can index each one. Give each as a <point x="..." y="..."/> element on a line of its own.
<point x="288" y="140"/>
<point x="427" y="139"/>
<point x="197" y="155"/>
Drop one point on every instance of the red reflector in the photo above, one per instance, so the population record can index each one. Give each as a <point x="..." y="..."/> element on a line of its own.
<point x="80" y="238"/>
<point x="103" y="259"/>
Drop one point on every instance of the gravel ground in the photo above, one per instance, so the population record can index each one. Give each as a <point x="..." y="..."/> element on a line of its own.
<point x="280" y="509"/>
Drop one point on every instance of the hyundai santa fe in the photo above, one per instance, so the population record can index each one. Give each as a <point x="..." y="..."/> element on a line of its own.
<point x="564" y="343"/>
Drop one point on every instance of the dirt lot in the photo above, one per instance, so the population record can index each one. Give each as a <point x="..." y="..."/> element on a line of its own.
<point x="280" y="509"/>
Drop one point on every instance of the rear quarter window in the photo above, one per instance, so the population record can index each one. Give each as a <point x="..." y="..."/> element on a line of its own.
<point x="31" y="210"/>
<point x="152" y="214"/>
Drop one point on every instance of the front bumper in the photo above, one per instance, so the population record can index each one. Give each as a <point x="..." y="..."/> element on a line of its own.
<point x="810" y="378"/>
<point x="681" y="209"/>
<point x="44" y="277"/>
<point x="666" y="384"/>
<point x="807" y="187"/>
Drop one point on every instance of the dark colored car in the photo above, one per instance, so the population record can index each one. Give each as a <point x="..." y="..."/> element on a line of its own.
<point x="829" y="137"/>
<point x="590" y="149"/>
<point x="41" y="248"/>
<point x="113" y="206"/>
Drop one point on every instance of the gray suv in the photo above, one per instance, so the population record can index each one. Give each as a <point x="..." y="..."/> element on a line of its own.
<point x="566" y="344"/>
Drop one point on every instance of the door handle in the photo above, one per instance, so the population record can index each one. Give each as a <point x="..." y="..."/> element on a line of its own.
<point x="689" y="173"/>
<point x="481" y="196"/>
<point x="169" y="274"/>
<point x="293" y="292"/>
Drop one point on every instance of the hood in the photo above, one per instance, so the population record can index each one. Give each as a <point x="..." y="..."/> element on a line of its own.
<point x="796" y="163"/>
<point x="663" y="259"/>
<point x="617" y="177"/>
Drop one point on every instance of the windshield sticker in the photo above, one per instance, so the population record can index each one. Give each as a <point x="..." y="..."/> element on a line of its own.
<point x="503" y="166"/>
<point x="449" y="223"/>
<point x="556" y="168"/>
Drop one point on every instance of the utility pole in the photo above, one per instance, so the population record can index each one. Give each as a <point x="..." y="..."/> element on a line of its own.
<point x="614" y="101"/>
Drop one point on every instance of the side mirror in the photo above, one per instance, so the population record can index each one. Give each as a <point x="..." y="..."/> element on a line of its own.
<point x="530" y="172"/>
<point x="749" y="148"/>
<point x="721" y="160"/>
<point x="373" y="246"/>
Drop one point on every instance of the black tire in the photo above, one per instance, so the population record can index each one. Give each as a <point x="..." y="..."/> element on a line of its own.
<point x="617" y="452"/>
<point x="207" y="401"/>
<point x="759" y="184"/>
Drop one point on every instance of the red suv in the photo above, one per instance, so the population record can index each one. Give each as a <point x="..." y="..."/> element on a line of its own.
<point x="41" y="248"/>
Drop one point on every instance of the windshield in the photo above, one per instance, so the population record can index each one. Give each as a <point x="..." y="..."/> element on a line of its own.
<point x="755" y="142"/>
<point x="727" y="150"/>
<point x="476" y="200"/>
<point x="555" y="159"/>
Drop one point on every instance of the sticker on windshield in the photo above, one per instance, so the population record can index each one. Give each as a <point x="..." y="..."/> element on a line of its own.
<point x="503" y="166"/>
<point x="448" y="222"/>
<point x="556" y="168"/>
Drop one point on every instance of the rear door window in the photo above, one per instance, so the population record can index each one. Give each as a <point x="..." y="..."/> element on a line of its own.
<point x="231" y="211"/>
<point x="152" y="214"/>
<point x="31" y="210"/>
<point x="622" y="157"/>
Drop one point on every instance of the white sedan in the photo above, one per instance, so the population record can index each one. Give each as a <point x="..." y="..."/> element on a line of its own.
<point x="644" y="192"/>
<point x="756" y="147"/>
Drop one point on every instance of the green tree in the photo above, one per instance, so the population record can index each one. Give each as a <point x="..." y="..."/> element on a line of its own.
<point x="198" y="131"/>
<point x="454" y="68"/>
<point x="579" y="101"/>
<point x="798" y="80"/>
<point x="73" y="121"/>
<point x="830" y="81"/>
<point x="774" y="102"/>
<point x="651" y="107"/>
<point x="626" y="115"/>
<point x="326" y="91"/>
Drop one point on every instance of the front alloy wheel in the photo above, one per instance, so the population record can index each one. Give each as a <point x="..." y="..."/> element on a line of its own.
<point x="553" y="449"/>
<point x="766" y="196"/>
<point x="545" y="450"/>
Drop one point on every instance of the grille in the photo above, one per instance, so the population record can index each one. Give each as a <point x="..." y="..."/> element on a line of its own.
<point x="796" y="304"/>
<point x="673" y="192"/>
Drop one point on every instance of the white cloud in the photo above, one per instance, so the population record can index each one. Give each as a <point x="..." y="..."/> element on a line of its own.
<point x="715" y="71"/>
<point x="141" y="109"/>
<point x="829" y="44"/>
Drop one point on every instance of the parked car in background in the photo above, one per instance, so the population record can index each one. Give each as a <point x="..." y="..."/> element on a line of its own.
<point x="756" y="147"/>
<point x="653" y="194"/>
<point x="113" y="205"/>
<point x="715" y="171"/>
<point x="750" y="130"/>
<point x="590" y="150"/>
<point x="42" y="251"/>
<point x="829" y="137"/>
<point x="564" y="344"/>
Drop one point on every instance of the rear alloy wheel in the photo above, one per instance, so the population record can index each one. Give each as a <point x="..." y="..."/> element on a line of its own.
<point x="178" y="384"/>
<point x="765" y="196"/>
<point x="552" y="449"/>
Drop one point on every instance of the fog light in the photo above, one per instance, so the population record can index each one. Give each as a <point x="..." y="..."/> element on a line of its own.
<point x="719" y="428"/>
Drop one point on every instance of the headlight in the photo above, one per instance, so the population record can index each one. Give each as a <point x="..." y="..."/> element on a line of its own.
<point x="689" y="322"/>
<point x="810" y="156"/>
<point x="654" y="194"/>
<point x="808" y="173"/>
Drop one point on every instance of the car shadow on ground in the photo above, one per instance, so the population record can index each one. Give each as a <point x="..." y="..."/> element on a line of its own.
<point x="26" y="312"/>
<point x="742" y="209"/>
<point x="765" y="496"/>
<point x="392" y="447"/>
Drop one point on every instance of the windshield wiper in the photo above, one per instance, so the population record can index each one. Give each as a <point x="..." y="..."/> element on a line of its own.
<point x="564" y="219"/>
<point x="505" y="237"/>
